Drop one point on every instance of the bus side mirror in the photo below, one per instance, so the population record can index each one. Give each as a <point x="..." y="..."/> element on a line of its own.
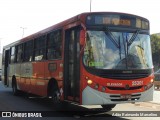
<point x="82" y="37"/>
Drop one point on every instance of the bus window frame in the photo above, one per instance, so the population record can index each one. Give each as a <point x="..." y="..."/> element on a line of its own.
<point x="27" y="51"/>
<point x="55" y="45"/>
<point x="38" y="47"/>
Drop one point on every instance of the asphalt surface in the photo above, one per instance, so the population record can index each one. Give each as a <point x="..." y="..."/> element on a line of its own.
<point x="8" y="102"/>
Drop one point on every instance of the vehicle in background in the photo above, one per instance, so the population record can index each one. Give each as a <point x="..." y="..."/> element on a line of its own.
<point x="157" y="79"/>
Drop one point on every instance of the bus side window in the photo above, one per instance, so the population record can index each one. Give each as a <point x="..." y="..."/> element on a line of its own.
<point x="12" y="59"/>
<point x="20" y="53"/>
<point x="54" y="44"/>
<point x="39" y="53"/>
<point x="3" y="57"/>
<point x="28" y="51"/>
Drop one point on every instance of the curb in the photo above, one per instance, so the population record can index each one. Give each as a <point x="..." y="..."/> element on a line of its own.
<point x="154" y="102"/>
<point x="148" y="104"/>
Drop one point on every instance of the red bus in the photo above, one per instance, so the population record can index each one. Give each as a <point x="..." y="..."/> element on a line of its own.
<point x="99" y="58"/>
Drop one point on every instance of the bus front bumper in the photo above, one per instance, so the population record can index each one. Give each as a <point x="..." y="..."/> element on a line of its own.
<point x="91" y="96"/>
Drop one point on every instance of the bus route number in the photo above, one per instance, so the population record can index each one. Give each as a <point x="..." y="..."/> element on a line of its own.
<point x="137" y="83"/>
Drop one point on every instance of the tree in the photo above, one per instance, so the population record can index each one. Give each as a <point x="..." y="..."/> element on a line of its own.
<point x="155" y="44"/>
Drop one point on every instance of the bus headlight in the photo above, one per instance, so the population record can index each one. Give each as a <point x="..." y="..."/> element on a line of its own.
<point x="152" y="80"/>
<point x="103" y="89"/>
<point x="146" y="87"/>
<point x="89" y="82"/>
<point x="96" y="86"/>
<point x="86" y="78"/>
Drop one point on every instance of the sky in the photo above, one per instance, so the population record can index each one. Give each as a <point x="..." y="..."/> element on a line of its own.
<point x="35" y="15"/>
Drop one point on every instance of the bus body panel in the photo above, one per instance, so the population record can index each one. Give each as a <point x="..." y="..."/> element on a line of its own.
<point x="32" y="76"/>
<point x="91" y="96"/>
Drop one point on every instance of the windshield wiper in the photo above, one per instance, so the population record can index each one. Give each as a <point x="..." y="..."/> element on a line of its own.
<point x="119" y="48"/>
<point x="112" y="38"/>
<point x="125" y="49"/>
<point x="114" y="41"/>
<point x="133" y="37"/>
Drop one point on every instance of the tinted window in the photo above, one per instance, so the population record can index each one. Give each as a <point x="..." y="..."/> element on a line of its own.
<point x="54" y="44"/>
<point x="12" y="54"/>
<point x="39" y="53"/>
<point x="19" y="53"/>
<point x="28" y="51"/>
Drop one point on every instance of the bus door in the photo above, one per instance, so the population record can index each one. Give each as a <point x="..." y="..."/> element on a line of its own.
<point x="6" y="63"/>
<point x="72" y="65"/>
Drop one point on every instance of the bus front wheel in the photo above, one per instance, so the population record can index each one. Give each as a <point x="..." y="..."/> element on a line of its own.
<point x="53" y="90"/>
<point x="108" y="107"/>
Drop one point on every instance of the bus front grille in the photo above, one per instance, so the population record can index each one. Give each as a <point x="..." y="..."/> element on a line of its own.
<point x="122" y="88"/>
<point x="118" y="98"/>
<point x="120" y="74"/>
<point x="123" y="76"/>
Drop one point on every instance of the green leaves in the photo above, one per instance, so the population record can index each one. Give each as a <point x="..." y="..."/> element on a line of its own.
<point x="155" y="44"/>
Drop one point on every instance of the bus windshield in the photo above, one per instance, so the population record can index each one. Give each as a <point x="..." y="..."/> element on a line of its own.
<point x="117" y="50"/>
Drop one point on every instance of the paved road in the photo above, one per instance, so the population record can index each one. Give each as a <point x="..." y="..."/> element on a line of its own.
<point x="8" y="102"/>
<point x="156" y="97"/>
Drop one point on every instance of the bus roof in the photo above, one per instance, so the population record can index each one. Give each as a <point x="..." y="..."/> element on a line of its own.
<point x="62" y="24"/>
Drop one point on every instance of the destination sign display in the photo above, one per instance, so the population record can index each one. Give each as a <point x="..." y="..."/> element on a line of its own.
<point x="118" y="20"/>
<point x="112" y="21"/>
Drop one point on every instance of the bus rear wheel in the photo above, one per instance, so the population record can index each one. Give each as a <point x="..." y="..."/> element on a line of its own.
<point x="108" y="107"/>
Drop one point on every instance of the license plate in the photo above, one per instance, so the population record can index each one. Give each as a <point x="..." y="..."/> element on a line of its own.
<point x="126" y="96"/>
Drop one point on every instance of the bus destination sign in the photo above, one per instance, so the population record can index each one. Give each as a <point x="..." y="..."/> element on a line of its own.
<point x="118" y="20"/>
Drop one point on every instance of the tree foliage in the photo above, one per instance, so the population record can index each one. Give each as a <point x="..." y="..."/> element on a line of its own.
<point x="155" y="44"/>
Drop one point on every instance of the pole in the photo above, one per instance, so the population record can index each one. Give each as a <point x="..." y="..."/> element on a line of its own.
<point x="90" y="5"/>
<point x="23" y="31"/>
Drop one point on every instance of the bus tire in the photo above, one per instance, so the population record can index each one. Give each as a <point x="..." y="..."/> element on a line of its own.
<point x="14" y="86"/>
<point x="53" y="90"/>
<point x="108" y="107"/>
